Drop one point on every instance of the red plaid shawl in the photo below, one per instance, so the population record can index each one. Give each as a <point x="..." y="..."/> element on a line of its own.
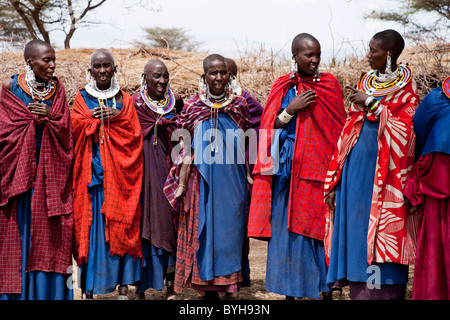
<point x="194" y="112"/>
<point x="391" y="232"/>
<point x="51" y="204"/>
<point x="318" y="129"/>
<point x="122" y="162"/>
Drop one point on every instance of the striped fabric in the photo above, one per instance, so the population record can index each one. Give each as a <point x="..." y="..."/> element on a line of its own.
<point x="392" y="227"/>
<point x="187" y="268"/>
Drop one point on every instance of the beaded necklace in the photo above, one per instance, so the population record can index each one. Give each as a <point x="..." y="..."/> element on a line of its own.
<point x="371" y="86"/>
<point x="215" y="105"/>
<point x="160" y="107"/>
<point x="102" y="97"/>
<point x="220" y="101"/>
<point x="40" y="96"/>
<point x="92" y="89"/>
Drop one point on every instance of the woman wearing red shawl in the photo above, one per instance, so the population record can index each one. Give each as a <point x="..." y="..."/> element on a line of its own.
<point x="428" y="188"/>
<point x="210" y="186"/>
<point x="300" y="125"/>
<point x="157" y="106"/>
<point x="370" y="236"/>
<point x="36" y="205"/>
<point x="107" y="181"/>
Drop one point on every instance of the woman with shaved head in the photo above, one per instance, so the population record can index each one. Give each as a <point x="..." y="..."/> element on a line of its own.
<point x="208" y="184"/>
<point x="300" y="125"/>
<point x="36" y="204"/>
<point x="157" y="106"/>
<point x="107" y="178"/>
<point x="370" y="231"/>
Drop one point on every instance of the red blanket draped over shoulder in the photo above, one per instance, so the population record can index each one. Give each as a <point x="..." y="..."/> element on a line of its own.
<point x="121" y="155"/>
<point x="392" y="228"/>
<point x="317" y="131"/>
<point x="51" y="203"/>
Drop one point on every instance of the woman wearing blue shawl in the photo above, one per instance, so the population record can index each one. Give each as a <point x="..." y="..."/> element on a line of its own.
<point x="428" y="188"/>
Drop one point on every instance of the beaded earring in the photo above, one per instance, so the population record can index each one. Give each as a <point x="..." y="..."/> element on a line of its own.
<point x="89" y="78"/>
<point x="202" y="87"/>
<point x="234" y="85"/>
<point x="143" y="84"/>
<point x="388" y="64"/>
<point x="114" y="80"/>
<point x="29" y="75"/>
<point x="294" y="67"/>
<point x="316" y="76"/>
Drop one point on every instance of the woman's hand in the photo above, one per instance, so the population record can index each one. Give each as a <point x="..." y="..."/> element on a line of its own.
<point x="107" y="112"/>
<point x="301" y="101"/>
<point x="181" y="189"/>
<point x="40" y="109"/>
<point x="358" y="97"/>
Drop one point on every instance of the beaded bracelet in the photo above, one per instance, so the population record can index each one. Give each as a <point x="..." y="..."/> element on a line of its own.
<point x="376" y="103"/>
<point x="378" y="110"/>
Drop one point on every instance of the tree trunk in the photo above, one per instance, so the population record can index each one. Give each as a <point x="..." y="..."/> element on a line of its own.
<point x="68" y="38"/>
<point x="25" y="19"/>
<point x="40" y="26"/>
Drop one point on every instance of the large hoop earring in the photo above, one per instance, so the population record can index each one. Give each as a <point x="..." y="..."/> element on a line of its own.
<point x="202" y="87"/>
<point x="234" y="85"/>
<point x="89" y="78"/>
<point x="388" y="64"/>
<point x="294" y="67"/>
<point x="30" y="78"/>
<point x="143" y="84"/>
<point x="114" y="80"/>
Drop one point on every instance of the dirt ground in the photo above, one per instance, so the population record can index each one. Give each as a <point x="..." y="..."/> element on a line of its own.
<point x="257" y="257"/>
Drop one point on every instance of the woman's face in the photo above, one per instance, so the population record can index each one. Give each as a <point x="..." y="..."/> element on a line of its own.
<point x="377" y="56"/>
<point x="157" y="79"/>
<point x="42" y="62"/>
<point x="217" y="77"/>
<point x="307" y="57"/>
<point x="102" y="70"/>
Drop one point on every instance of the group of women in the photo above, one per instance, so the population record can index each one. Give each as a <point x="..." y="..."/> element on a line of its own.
<point x="150" y="191"/>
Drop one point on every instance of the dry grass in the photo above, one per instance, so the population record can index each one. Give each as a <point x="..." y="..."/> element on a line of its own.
<point x="258" y="68"/>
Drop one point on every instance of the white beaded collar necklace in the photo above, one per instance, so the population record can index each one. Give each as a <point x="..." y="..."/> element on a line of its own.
<point x="92" y="89"/>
